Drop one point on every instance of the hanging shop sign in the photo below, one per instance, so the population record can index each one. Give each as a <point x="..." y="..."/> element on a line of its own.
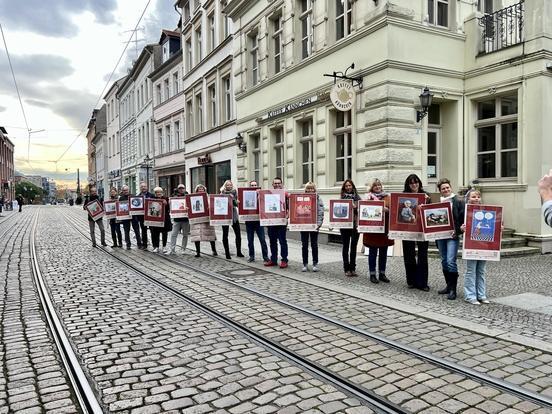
<point x="342" y="96"/>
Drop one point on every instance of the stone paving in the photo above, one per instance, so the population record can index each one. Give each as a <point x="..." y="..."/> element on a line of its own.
<point x="32" y="379"/>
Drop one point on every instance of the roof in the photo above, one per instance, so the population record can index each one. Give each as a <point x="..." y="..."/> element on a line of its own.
<point x="116" y="84"/>
<point x="168" y="33"/>
<point x="3" y="130"/>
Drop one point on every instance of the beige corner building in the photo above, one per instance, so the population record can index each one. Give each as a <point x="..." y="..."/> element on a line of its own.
<point x="488" y="65"/>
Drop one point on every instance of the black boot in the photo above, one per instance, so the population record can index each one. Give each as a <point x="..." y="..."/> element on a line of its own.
<point x="214" y="249"/>
<point x="198" y="250"/>
<point x="383" y="278"/>
<point x="238" y="248"/>
<point x="226" y="249"/>
<point x="445" y="290"/>
<point x="453" y="279"/>
<point x="373" y="278"/>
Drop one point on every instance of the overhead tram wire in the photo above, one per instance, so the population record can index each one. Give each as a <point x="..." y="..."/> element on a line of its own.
<point x="100" y="97"/>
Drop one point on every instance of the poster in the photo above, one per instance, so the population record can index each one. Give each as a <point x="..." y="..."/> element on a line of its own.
<point x="154" y="213"/>
<point x="198" y="207"/>
<point x="437" y="221"/>
<point x="404" y="216"/>
<point x="483" y="233"/>
<point x="341" y="214"/>
<point x="123" y="210"/>
<point x="220" y="210"/>
<point x="110" y="209"/>
<point x="371" y="216"/>
<point x="302" y="212"/>
<point x="95" y="210"/>
<point x="177" y="207"/>
<point x="248" y="204"/>
<point x="272" y="207"/>
<point x="136" y="205"/>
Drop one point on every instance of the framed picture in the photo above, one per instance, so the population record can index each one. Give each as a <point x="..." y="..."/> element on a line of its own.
<point x="341" y="214"/>
<point x="272" y="207"/>
<point x="198" y="207"/>
<point x="483" y="233"/>
<point x="371" y="216"/>
<point x="123" y="210"/>
<point x="154" y="213"/>
<point x="302" y="212"/>
<point x="404" y="216"/>
<point x="220" y="210"/>
<point x="177" y="207"/>
<point x="136" y="205"/>
<point x="95" y="210"/>
<point x="437" y="221"/>
<point x="248" y="204"/>
<point x="110" y="209"/>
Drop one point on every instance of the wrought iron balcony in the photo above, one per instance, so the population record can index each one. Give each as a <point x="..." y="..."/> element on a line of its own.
<point x="502" y="28"/>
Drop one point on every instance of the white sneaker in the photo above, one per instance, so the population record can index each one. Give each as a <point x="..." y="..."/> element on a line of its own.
<point x="315" y="269"/>
<point x="169" y="252"/>
<point x="473" y="301"/>
<point x="156" y="250"/>
<point x="485" y="301"/>
<point x="304" y="269"/>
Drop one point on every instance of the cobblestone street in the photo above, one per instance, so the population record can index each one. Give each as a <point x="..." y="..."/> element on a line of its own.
<point x="157" y="333"/>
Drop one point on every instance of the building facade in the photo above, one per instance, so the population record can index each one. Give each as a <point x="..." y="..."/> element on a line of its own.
<point x="487" y="64"/>
<point x="113" y="145"/>
<point x="100" y="146"/>
<point x="209" y="115"/>
<point x="7" y="171"/>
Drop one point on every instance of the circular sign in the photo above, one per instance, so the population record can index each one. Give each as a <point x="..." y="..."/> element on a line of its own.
<point x="342" y="96"/>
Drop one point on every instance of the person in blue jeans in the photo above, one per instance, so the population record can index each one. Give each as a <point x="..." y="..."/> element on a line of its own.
<point x="252" y="228"/>
<point x="310" y="187"/>
<point x="448" y="248"/>
<point x="277" y="234"/>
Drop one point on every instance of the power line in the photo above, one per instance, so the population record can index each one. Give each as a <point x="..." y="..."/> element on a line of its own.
<point x="100" y="97"/>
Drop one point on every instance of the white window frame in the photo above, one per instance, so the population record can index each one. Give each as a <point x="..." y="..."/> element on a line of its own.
<point x="160" y="139"/>
<point x="189" y="118"/>
<point x="199" y="42"/>
<point x="305" y="17"/>
<point x="277" y="30"/>
<point x="254" y="58"/>
<point x="307" y="140"/>
<point x="346" y="16"/>
<point x="279" y="148"/>
<point x="199" y="113"/>
<point x="168" y="138"/>
<point x="255" y="145"/>
<point x="227" y="84"/>
<point x="433" y="129"/>
<point x="177" y="134"/>
<point x="345" y="131"/>
<point x="433" y="15"/>
<point x="176" y="86"/>
<point x="166" y="89"/>
<point x="189" y="56"/>
<point x="212" y="33"/>
<point x="212" y="93"/>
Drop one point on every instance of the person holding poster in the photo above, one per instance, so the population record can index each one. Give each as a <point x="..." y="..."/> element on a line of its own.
<point x="545" y="191"/>
<point x="416" y="268"/>
<point x="203" y="231"/>
<point x="310" y="187"/>
<point x="138" y="220"/>
<point x="91" y="223"/>
<point x="228" y="189"/>
<point x="180" y="224"/>
<point x="128" y="222"/>
<point x="161" y="231"/>
<point x="277" y="234"/>
<point x="377" y="243"/>
<point x="116" y="235"/>
<point x="252" y="228"/>
<point x="448" y="248"/>
<point x="349" y="237"/>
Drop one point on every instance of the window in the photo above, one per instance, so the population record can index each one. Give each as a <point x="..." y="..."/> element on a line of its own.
<point x="186" y="12"/>
<point x="158" y="93"/>
<point x="166" y="51"/>
<point x="148" y="143"/>
<point x="433" y="140"/>
<point x="177" y="134"/>
<point x="212" y="176"/>
<point x="343" y="145"/>
<point x="199" y="113"/>
<point x="199" y="52"/>
<point x="306" y="28"/>
<point x="277" y="42"/>
<point x="343" y="16"/>
<point x="438" y="12"/>
<point x="188" y="54"/>
<point x="189" y="119"/>
<point x="497" y="138"/>
<point x="212" y="105"/>
<point x="307" y="153"/>
<point x="254" y="59"/>
<point x="160" y="140"/>
<point x="227" y="98"/>
<point x="278" y="140"/>
<point x="167" y="89"/>
<point x="255" y="143"/>
<point x="175" y="83"/>
<point x="212" y="38"/>
<point x="485" y="6"/>
<point x="226" y="26"/>
<point x="168" y="138"/>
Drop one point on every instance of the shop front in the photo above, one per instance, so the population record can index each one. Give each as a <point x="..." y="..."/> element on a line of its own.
<point x="211" y="176"/>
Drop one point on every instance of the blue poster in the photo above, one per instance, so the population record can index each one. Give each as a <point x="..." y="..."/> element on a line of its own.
<point x="483" y="226"/>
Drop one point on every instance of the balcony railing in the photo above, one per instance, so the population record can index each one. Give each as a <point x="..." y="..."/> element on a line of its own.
<point x="502" y="28"/>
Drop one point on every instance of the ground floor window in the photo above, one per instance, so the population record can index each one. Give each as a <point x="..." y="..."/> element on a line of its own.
<point x="169" y="183"/>
<point x="211" y="176"/>
<point x="343" y="146"/>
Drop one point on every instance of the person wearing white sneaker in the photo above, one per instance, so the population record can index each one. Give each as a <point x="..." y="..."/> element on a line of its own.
<point x="304" y="269"/>
<point x="180" y="224"/>
<point x="167" y="226"/>
<point x="155" y="250"/>
<point x="545" y="191"/>
<point x="310" y="187"/>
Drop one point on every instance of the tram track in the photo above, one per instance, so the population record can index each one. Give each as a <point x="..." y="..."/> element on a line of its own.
<point x="504" y="386"/>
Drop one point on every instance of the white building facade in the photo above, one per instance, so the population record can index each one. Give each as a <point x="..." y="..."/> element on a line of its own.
<point x="113" y="144"/>
<point x="487" y="63"/>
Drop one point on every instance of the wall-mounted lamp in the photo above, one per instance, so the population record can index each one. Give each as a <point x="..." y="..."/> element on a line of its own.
<point x="425" y="103"/>
<point x="241" y="144"/>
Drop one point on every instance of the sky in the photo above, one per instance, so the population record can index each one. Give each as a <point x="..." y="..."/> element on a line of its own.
<point x="62" y="53"/>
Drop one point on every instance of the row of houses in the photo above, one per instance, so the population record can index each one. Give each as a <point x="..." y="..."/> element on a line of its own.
<point x="325" y="90"/>
<point x="7" y="169"/>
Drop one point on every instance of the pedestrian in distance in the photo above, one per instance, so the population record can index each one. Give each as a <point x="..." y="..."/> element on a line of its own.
<point x="167" y="226"/>
<point x="138" y="220"/>
<point x="252" y="228"/>
<point x="349" y="237"/>
<point x="310" y="188"/>
<point x="378" y="243"/>
<point x="278" y="234"/>
<point x="448" y="248"/>
<point x="180" y="224"/>
<point x="228" y="189"/>
<point x="203" y="231"/>
<point x="20" y="202"/>
<point x="545" y="191"/>
<point x="114" y="225"/>
<point x="99" y="222"/>
<point x="128" y="222"/>
<point x="415" y="263"/>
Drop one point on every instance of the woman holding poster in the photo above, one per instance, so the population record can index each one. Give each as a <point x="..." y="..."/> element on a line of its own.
<point x="448" y="248"/>
<point x="378" y="242"/>
<point x="167" y="226"/>
<point x="310" y="187"/>
<point x="415" y="267"/>
<point x="228" y="189"/>
<point x="203" y="231"/>
<point x="349" y="237"/>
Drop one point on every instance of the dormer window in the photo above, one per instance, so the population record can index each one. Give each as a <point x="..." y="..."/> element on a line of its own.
<point x="166" y="51"/>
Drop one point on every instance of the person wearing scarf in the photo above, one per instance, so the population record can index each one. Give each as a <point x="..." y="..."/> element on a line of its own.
<point x="448" y="248"/>
<point x="228" y="189"/>
<point x="349" y="237"/>
<point x="378" y="242"/>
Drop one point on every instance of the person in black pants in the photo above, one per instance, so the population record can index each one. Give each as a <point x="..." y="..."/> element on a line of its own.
<point x="93" y="223"/>
<point x="415" y="267"/>
<point x="167" y="226"/>
<point x="114" y="225"/>
<point x="349" y="237"/>
<point x="228" y="189"/>
<point x="138" y="220"/>
<point x="127" y="223"/>
<point x="310" y="187"/>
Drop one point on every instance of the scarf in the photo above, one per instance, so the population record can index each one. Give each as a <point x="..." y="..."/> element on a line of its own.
<point x="449" y="198"/>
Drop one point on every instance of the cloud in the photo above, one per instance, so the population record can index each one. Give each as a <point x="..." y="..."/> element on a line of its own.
<point x="2" y="108"/>
<point x="53" y="18"/>
<point x="36" y="102"/>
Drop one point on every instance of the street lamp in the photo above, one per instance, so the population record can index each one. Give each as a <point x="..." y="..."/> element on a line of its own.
<point x="425" y="103"/>
<point x="148" y="162"/>
<point x="241" y="144"/>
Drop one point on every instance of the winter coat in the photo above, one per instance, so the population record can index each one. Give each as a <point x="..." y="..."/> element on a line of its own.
<point x="202" y="232"/>
<point x="234" y="194"/>
<point x="319" y="211"/>
<point x="167" y="224"/>
<point x="379" y="239"/>
<point x="89" y="199"/>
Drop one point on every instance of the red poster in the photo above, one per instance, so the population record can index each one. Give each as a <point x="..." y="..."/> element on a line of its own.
<point x="341" y="214"/>
<point x="110" y="208"/>
<point x="272" y="207"/>
<point x="123" y="210"/>
<point x="302" y="212"/>
<point x="95" y="210"/>
<point x="136" y="205"/>
<point x="483" y="232"/>
<point x="198" y="207"/>
<point x="220" y="210"/>
<point x="437" y="221"/>
<point x="154" y="214"/>
<point x="404" y="216"/>
<point x="178" y="208"/>
<point x="371" y="216"/>
<point x="248" y="204"/>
